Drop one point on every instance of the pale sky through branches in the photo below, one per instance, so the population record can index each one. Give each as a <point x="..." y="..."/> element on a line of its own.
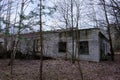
<point x="89" y="11"/>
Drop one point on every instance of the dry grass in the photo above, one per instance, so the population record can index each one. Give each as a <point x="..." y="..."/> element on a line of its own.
<point x="61" y="70"/>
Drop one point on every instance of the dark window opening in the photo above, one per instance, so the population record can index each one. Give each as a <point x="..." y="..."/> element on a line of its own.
<point x="62" y="46"/>
<point x="83" y="47"/>
<point x="36" y="45"/>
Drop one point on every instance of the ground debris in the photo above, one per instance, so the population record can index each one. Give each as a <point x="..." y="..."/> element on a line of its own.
<point x="60" y="70"/>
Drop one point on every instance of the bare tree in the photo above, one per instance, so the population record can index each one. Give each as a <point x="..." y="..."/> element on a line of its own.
<point x="71" y="20"/>
<point x="16" y="40"/>
<point x="108" y="28"/>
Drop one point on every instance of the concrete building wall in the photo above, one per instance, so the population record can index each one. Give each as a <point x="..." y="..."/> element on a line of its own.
<point x="93" y="42"/>
<point x="51" y="46"/>
<point x="51" y="40"/>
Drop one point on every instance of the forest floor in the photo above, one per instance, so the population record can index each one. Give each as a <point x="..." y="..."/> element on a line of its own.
<point x="61" y="70"/>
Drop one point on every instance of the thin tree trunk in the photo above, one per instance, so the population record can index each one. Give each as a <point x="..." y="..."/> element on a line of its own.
<point x="66" y="41"/>
<point x="109" y="33"/>
<point x="16" y="40"/>
<point x="77" y="51"/>
<point x="41" y="41"/>
<point x="77" y="41"/>
<point x="66" y="35"/>
<point x="73" y="57"/>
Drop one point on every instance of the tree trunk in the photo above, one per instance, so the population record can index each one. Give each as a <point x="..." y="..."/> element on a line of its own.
<point x="13" y="53"/>
<point x="73" y="55"/>
<point x="108" y="28"/>
<point x="41" y="41"/>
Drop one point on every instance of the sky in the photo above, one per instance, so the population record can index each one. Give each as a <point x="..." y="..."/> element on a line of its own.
<point x="86" y="9"/>
<point x="87" y="14"/>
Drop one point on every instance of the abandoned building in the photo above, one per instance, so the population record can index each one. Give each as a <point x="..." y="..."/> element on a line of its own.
<point x="89" y="44"/>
